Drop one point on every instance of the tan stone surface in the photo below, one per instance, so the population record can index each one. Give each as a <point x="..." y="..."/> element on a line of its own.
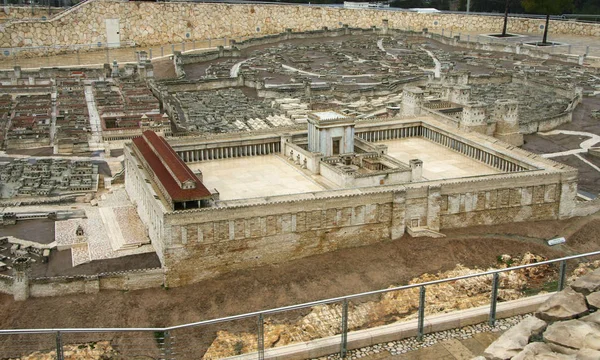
<point x="563" y="305"/>
<point x="159" y="23"/>
<point x="257" y="176"/>
<point x="574" y="334"/>
<point x="439" y="162"/>
<point x="513" y="341"/>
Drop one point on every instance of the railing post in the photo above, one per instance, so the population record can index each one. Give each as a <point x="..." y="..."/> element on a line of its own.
<point x="194" y="44"/>
<point x="107" y="55"/>
<point x="172" y="48"/>
<point x="587" y="50"/>
<point x="167" y="350"/>
<point x="469" y="37"/>
<point x="162" y="51"/>
<point x="261" y="337"/>
<point x="209" y="42"/>
<point x="150" y="53"/>
<point x="442" y="32"/>
<point x="421" y="317"/>
<point x="344" y="345"/>
<point x="562" y="272"/>
<point x="78" y="57"/>
<point x="493" y="300"/>
<point x="182" y="46"/>
<point x="569" y="49"/>
<point x="59" y="348"/>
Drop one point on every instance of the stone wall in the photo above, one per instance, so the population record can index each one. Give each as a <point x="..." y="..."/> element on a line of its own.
<point x="202" y="244"/>
<point x="159" y="23"/>
<point x="88" y="284"/>
<point x="6" y="283"/>
<point x="24" y="12"/>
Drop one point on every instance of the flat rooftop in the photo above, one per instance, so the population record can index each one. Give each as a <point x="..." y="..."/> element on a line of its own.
<point x="439" y="162"/>
<point x="257" y="176"/>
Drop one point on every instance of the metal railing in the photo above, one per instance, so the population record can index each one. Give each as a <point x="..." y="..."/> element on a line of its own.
<point x="172" y="342"/>
<point x="554" y="47"/>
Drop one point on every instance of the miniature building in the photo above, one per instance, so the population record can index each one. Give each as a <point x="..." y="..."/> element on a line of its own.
<point x="179" y="186"/>
<point x="330" y="133"/>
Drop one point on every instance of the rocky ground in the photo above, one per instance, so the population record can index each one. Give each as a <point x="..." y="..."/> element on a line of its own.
<point x="566" y="326"/>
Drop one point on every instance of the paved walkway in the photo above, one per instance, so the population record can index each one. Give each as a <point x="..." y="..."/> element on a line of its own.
<point x="452" y="349"/>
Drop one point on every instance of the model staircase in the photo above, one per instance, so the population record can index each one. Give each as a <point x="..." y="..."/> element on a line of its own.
<point x="423" y="231"/>
<point x="113" y="231"/>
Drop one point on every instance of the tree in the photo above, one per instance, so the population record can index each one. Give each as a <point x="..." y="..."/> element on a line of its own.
<point x="505" y="18"/>
<point x="547" y="7"/>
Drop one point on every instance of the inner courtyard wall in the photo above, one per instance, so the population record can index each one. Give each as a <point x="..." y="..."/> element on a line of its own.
<point x="159" y="23"/>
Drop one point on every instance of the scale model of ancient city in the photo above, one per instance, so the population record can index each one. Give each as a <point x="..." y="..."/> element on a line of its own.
<point x="242" y="137"/>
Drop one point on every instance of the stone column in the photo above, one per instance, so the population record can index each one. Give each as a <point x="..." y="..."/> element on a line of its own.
<point x="416" y="166"/>
<point x="285" y="138"/>
<point x="307" y="89"/>
<point x="21" y="282"/>
<point x="568" y="193"/>
<point x="434" y="201"/>
<point x="385" y="27"/>
<point x="115" y="69"/>
<point x="398" y="226"/>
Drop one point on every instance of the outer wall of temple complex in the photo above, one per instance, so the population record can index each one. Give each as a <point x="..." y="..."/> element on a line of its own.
<point x="202" y="243"/>
<point x="160" y="23"/>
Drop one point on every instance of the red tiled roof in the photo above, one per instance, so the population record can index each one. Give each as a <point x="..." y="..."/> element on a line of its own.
<point x="176" y="165"/>
<point x="166" y="152"/>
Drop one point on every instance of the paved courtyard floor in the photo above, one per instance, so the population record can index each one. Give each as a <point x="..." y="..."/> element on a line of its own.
<point x="256" y="176"/>
<point x="439" y="162"/>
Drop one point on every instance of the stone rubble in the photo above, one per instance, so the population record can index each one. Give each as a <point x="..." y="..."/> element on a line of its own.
<point x="569" y="334"/>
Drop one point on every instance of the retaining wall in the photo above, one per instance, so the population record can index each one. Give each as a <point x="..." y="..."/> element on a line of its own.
<point x="170" y="22"/>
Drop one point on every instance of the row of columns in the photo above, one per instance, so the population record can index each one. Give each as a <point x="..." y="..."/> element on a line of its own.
<point x="471" y="151"/>
<point x="229" y="152"/>
<point x="388" y="134"/>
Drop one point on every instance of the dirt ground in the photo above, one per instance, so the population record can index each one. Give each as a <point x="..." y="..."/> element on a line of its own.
<point x="329" y="275"/>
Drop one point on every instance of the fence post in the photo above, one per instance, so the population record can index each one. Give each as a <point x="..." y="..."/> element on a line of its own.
<point x="172" y="48"/>
<point x="569" y="49"/>
<point x="209" y="42"/>
<point x="421" y="317"/>
<point x="469" y="37"/>
<point x="442" y="32"/>
<point x="562" y="272"/>
<point x="78" y="58"/>
<point x="182" y="46"/>
<point x="107" y="55"/>
<point x="162" y="51"/>
<point x="59" y="347"/>
<point x="493" y="300"/>
<point x="261" y="337"/>
<point x="150" y="53"/>
<point x="344" y="345"/>
<point x="194" y="44"/>
<point x="587" y="50"/>
<point x="168" y="351"/>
